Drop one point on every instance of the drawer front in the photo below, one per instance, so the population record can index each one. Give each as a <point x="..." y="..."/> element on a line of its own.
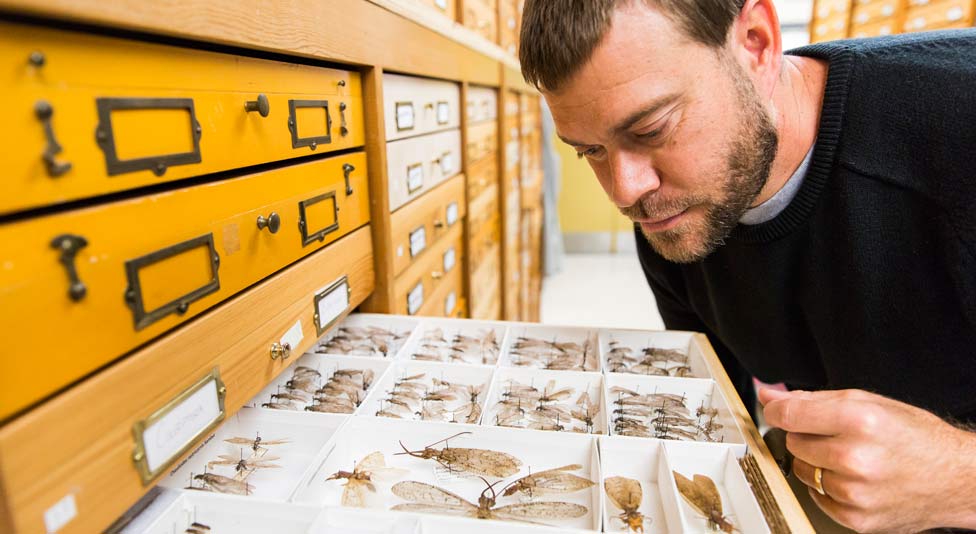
<point x="87" y="452"/>
<point x="485" y="282"/>
<point x="482" y="175"/>
<point x="159" y="114"/>
<point x="482" y="17"/>
<point x="950" y="13"/>
<point x="418" y="284"/>
<point x="875" y="29"/>
<point x="513" y="150"/>
<point x="509" y="26"/>
<point x="831" y="28"/>
<point x="448" y="299"/>
<point x="416" y="106"/>
<point x="416" y="165"/>
<point x="482" y="104"/>
<point x="875" y="11"/>
<point x="512" y="104"/>
<point x="490" y="310"/>
<point x="448" y="8"/>
<point x="483" y="240"/>
<point x="827" y="8"/>
<point x="422" y="223"/>
<point x="125" y="272"/>
<point x="482" y="141"/>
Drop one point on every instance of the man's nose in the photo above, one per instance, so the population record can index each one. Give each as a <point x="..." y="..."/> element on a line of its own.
<point x="631" y="177"/>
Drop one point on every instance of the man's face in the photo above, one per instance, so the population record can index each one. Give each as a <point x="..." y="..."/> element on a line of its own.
<point x="674" y="130"/>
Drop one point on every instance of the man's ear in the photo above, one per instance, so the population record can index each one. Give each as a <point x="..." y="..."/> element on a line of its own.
<point x="756" y="43"/>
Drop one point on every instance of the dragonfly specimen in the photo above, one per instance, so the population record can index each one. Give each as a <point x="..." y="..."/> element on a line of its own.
<point x="432" y="399"/>
<point x="702" y="495"/>
<point x="432" y="499"/>
<point x="558" y="480"/>
<point x="649" y="360"/>
<point x="527" y="406"/>
<point x="359" y="481"/>
<point x="626" y="494"/>
<point x="363" y="341"/>
<point x="477" y="461"/>
<point x="556" y="355"/>
<point x="480" y="349"/>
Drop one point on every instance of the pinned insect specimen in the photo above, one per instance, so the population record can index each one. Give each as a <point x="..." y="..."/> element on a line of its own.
<point x="256" y="443"/>
<point x="431" y="499"/>
<point x="526" y="406"/>
<point x="197" y="528"/>
<point x="557" y="480"/>
<point x="477" y="461"/>
<point x="626" y="494"/>
<point x="556" y="355"/>
<point x="245" y="464"/>
<point x="432" y="399"/>
<point x="435" y="346"/>
<point x="363" y="341"/>
<point x="360" y="479"/>
<point x="702" y="495"/>
<point x="662" y="416"/>
<point x="647" y="361"/>
<point x="222" y="484"/>
<point x="340" y="391"/>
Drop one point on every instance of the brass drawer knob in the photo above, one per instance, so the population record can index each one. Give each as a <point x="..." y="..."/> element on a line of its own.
<point x="44" y="112"/>
<point x="69" y="245"/>
<point x="272" y="222"/>
<point x="261" y="105"/>
<point x="279" y="350"/>
<point x="346" y="171"/>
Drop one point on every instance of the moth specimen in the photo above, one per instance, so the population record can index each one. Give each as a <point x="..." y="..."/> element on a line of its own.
<point x="626" y="494"/>
<point x="360" y="480"/>
<point x="431" y="499"/>
<point x="363" y="341"/>
<point x="558" y="480"/>
<point x="647" y="361"/>
<point x="480" y="349"/>
<point x="702" y="495"/>
<point x="477" y="461"/>
<point x="556" y="355"/>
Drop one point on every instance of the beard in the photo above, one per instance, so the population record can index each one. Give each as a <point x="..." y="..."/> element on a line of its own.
<point x="748" y="160"/>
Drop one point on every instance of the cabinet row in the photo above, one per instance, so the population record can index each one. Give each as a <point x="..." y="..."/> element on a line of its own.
<point x="838" y="19"/>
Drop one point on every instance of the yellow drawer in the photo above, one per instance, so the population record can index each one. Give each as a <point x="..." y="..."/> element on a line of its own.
<point x="945" y="14"/>
<point x="422" y="223"/>
<point x="80" y="444"/>
<point x="482" y="240"/>
<point x="482" y="175"/>
<point x="416" y="106"/>
<point x="482" y="141"/>
<point x="106" y="279"/>
<point x="419" y="282"/>
<point x="483" y="209"/>
<point x="447" y="8"/>
<point x="513" y="153"/>
<point x="482" y="17"/>
<point x="416" y="165"/>
<point x="509" y="26"/>
<point x="481" y="104"/>
<point x="93" y="115"/>
<point x="448" y="299"/>
<point x="512" y="104"/>
<point x="875" y="11"/>
<point x="875" y="29"/>
<point x="831" y="28"/>
<point x="826" y="8"/>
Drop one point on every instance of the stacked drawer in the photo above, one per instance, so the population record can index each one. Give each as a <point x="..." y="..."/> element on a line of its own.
<point x="511" y="208"/>
<point x="509" y="25"/>
<point x="481" y="16"/>
<point x="262" y="259"/>
<point x="426" y="195"/>
<point x="531" y="193"/>
<point x="872" y="18"/>
<point x="483" y="237"/>
<point x="923" y="15"/>
<point x="830" y="20"/>
<point x="446" y="7"/>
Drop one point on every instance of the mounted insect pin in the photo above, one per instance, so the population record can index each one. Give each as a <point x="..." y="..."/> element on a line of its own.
<point x="477" y="461"/>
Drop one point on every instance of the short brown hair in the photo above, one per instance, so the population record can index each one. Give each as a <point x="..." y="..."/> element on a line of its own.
<point x="559" y="36"/>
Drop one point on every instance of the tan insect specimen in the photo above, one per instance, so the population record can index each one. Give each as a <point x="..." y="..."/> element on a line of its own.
<point x="478" y="461"/>
<point x="243" y="465"/>
<point x="256" y="442"/>
<point x="557" y="480"/>
<point x="626" y="494"/>
<point x="222" y="484"/>
<point x="360" y="480"/>
<point x="431" y="499"/>
<point x="702" y="494"/>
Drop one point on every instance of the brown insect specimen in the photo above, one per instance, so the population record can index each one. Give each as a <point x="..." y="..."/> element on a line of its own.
<point x="256" y="443"/>
<point x="431" y="499"/>
<point x="550" y="481"/>
<point x="360" y="480"/>
<point x="702" y="494"/>
<point x="478" y="461"/>
<point x="626" y="494"/>
<point x="244" y="465"/>
<point x="222" y="484"/>
<point x="197" y="528"/>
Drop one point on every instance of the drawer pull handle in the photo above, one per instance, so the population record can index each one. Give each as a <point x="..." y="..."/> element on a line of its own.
<point x="272" y="222"/>
<point x="346" y="171"/>
<point x="279" y="350"/>
<point x="438" y="224"/>
<point x="69" y="245"/>
<point x="44" y="112"/>
<point x="343" y="130"/>
<point x="260" y="105"/>
<point x="437" y="275"/>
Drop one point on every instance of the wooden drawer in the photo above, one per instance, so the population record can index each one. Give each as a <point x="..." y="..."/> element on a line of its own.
<point x="482" y="17"/>
<point x="448" y="8"/>
<point x="831" y="28"/>
<point x="482" y="141"/>
<point x="482" y="104"/>
<point x="414" y="288"/>
<point x="483" y="240"/>
<point x="513" y="150"/>
<point x="486" y="281"/>
<point x="421" y="223"/>
<point x="482" y="175"/>
<point x="146" y="265"/>
<point x="416" y="106"/>
<point x="79" y="446"/>
<point x="512" y="104"/>
<point x="483" y="209"/>
<point x="448" y="299"/>
<point x="875" y="11"/>
<point x="944" y="14"/>
<point x="416" y="165"/>
<point x="113" y="121"/>
<point x="875" y="29"/>
<point x="509" y="26"/>
<point x="827" y="8"/>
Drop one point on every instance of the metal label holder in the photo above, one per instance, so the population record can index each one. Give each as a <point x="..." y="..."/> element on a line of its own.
<point x="139" y="429"/>
<point x="133" y="293"/>
<point x="314" y="141"/>
<point x="325" y="293"/>
<point x="309" y="237"/>
<point x="105" y="136"/>
<point x="396" y="113"/>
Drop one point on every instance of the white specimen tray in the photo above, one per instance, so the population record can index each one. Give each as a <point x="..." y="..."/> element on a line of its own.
<point x="455" y="373"/>
<point x="637" y="340"/>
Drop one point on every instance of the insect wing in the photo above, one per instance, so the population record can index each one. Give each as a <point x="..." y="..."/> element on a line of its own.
<point x="625" y="493"/>
<point x="693" y="494"/>
<point x="481" y="461"/>
<point x="354" y="494"/>
<point x="707" y="488"/>
<point x="558" y="481"/>
<point x="430" y="495"/>
<point x="540" y="510"/>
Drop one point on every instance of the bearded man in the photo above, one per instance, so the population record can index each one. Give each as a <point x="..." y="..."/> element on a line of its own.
<point x="811" y="212"/>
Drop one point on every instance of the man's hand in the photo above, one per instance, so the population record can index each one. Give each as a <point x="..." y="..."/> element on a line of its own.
<point x="887" y="466"/>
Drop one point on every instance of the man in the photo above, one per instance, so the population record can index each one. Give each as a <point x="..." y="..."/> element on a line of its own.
<point x="812" y="213"/>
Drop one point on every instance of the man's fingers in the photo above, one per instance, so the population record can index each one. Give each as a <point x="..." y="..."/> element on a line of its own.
<point x="812" y="448"/>
<point x="808" y="415"/>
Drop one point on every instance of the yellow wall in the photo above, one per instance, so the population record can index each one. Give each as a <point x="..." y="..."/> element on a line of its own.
<point x="583" y="205"/>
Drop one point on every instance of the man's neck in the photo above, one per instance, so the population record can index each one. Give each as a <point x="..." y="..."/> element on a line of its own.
<point x="796" y="101"/>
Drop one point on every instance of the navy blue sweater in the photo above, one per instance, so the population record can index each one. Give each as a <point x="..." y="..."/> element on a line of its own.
<point x="868" y="278"/>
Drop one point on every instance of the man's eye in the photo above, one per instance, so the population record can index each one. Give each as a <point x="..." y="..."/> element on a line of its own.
<point x="586" y="152"/>
<point x="651" y="134"/>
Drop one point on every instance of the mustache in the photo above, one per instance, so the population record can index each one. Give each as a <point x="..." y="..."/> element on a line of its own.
<point x="649" y="207"/>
